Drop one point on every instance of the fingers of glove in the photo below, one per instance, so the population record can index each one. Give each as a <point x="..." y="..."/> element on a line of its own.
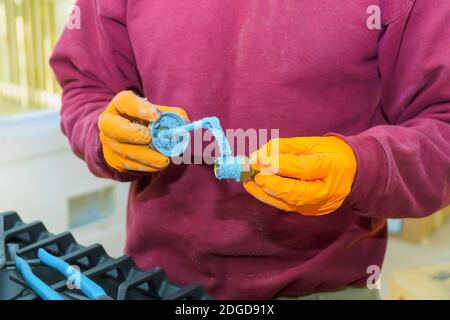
<point x="135" y="107"/>
<point x="295" y="146"/>
<point x="298" y="145"/>
<point x="129" y="165"/>
<point x="320" y="209"/>
<point x="313" y="210"/>
<point x="123" y="130"/>
<point x="303" y="167"/>
<point x="141" y="154"/>
<point x="293" y="192"/>
<point x="328" y="206"/>
<point x="119" y="163"/>
<point x="180" y="111"/>
<point x="307" y="210"/>
<point x="259" y="194"/>
<point x="129" y="104"/>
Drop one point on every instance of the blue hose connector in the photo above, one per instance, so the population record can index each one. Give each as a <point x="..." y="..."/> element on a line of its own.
<point x="163" y="142"/>
<point x="228" y="168"/>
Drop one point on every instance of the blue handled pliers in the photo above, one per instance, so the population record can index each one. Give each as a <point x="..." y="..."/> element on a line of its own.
<point x="92" y="290"/>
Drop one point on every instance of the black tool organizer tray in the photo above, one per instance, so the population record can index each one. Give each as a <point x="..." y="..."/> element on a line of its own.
<point x="119" y="277"/>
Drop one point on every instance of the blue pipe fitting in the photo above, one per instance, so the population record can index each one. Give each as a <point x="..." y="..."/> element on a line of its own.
<point x="163" y="142"/>
<point x="229" y="168"/>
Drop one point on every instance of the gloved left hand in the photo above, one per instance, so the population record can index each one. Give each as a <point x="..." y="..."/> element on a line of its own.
<point x="309" y="175"/>
<point x="125" y="136"/>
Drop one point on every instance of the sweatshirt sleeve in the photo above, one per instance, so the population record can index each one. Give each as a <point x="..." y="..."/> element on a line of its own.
<point x="404" y="166"/>
<point x="92" y="64"/>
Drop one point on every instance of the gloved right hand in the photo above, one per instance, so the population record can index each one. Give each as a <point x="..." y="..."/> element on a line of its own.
<point x="125" y="136"/>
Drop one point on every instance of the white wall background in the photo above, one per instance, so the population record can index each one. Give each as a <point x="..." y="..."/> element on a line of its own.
<point x="39" y="174"/>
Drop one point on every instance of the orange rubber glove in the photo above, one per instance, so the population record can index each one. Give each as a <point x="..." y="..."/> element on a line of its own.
<point x="125" y="135"/>
<point x="309" y="175"/>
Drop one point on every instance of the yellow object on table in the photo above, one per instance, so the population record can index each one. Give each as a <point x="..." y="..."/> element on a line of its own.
<point x="419" y="230"/>
<point x="425" y="283"/>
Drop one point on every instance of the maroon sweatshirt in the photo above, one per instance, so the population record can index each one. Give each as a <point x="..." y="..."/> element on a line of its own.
<point x="304" y="67"/>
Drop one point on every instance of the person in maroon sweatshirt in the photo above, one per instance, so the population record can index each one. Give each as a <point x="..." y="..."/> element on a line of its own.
<point x="376" y="101"/>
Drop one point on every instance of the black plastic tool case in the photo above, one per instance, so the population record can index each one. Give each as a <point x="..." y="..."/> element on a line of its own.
<point x="119" y="277"/>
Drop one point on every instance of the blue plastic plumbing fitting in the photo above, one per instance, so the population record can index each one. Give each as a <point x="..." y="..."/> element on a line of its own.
<point x="228" y="168"/>
<point x="172" y="143"/>
<point x="164" y="143"/>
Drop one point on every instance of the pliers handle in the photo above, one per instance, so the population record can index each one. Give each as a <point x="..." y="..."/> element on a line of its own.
<point x="92" y="290"/>
<point x="38" y="286"/>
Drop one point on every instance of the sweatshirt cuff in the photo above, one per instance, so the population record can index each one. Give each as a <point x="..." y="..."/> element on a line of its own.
<point x="370" y="180"/>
